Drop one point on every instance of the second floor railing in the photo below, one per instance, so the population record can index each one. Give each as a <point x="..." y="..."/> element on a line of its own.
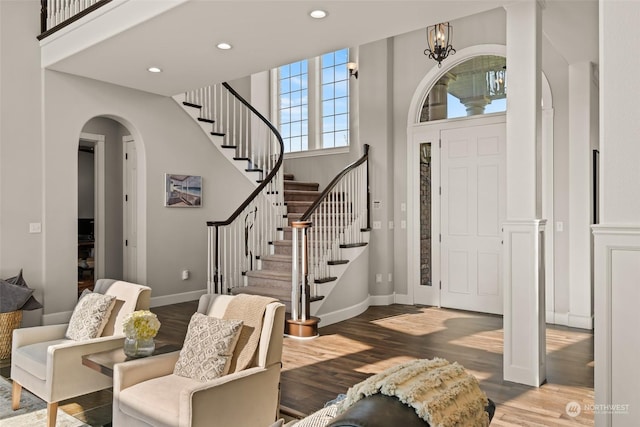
<point x="56" y="14"/>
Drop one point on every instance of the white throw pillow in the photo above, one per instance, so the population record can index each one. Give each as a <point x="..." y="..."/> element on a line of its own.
<point x="90" y="316"/>
<point x="208" y="347"/>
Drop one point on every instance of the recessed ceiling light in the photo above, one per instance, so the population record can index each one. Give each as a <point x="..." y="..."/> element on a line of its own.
<point x="318" y="14"/>
<point x="154" y="70"/>
<point x="224" y="46"/>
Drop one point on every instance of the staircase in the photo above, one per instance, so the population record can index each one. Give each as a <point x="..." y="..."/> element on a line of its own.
<point x="252" y="251"/>
<point x="273" y="277"/>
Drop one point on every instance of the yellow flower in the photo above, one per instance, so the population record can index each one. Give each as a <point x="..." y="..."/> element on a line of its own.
<point x="141" y="324"/>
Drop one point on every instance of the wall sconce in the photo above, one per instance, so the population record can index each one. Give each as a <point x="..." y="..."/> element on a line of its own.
<point x="352" y="67"/>
<point x="439" y="38"/>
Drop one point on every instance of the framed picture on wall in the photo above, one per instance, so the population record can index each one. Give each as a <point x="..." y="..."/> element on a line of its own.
<point x="183" y="191"/>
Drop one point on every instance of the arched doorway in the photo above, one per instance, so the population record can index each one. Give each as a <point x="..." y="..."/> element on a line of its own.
<point x="427" y="120"/>
<point x="108" y="180"/>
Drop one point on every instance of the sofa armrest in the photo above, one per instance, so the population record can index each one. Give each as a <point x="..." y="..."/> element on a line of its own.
<point x="136" y="371"/>
<point x="36" y="334"/>
<point x="64" y="357"/>
<point x="256" y="385"/>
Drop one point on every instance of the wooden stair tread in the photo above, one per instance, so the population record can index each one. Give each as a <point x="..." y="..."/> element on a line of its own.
<point x="276" y="257"/>
<point x="281" y="294"/>
<point x="301" y="192"/>
<point x="270" y="274"/>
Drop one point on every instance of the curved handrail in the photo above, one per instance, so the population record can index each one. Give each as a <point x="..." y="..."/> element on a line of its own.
<point x="307" y="215"/>
<point x="271" y="174"/>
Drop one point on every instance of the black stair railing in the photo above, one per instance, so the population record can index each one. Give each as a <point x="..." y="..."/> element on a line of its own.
<point x="333" y="222"/>
<point x="236" y="243"/>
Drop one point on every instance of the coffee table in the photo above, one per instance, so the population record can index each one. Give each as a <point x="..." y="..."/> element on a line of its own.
<point x="104" y="361"/>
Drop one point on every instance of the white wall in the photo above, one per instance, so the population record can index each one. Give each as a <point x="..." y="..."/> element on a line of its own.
<point x="390" y="72"/>
<point x="617" y="238"/>
<point x="410" y="67"/>
<point x="169" y="142"/>
<point x="41" y="117"/>
<point x="21" y="145"/>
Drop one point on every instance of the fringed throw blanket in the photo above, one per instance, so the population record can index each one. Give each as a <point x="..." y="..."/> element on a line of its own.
<point x="250" y="309"/>
<point x="442" y="393"/>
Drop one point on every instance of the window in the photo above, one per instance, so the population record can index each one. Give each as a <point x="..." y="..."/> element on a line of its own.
<point x="313" y="102"/>
<point x="293" y="110"/>
<point x="476" y="86"/>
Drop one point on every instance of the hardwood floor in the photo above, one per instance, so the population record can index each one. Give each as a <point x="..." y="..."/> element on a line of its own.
<point x="316" y="371"/>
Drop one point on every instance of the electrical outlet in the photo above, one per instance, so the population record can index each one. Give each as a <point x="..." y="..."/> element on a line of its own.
<point x="390" y="225"/>
<point x="403" y="207"/>
<point x="35" y="227"/>
<point x="377" y="225"/>
<point x="185" y="274"/>
<point x="378" y="278"/>
<point x="559" y="226"/>
<point x="390" y="277"/>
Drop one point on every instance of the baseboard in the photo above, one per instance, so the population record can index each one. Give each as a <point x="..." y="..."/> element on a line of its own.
<point x="176" y="298"/>
<point x="580" y="321"/>
<point x="405" y="299"/>
<point x="327" y="319"/>
<point x="382" y="299"/>
<point x="550" y="317"/>
<point x="559" y="319"/>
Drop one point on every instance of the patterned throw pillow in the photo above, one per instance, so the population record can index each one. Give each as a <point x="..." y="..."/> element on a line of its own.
<point x="90" y="316"/>
<point x="208" y="347"/>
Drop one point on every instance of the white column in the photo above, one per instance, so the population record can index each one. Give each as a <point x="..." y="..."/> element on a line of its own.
<point x="524" y="313"/>
<point x="582" y="95"/>
<point x="617" y="238"/>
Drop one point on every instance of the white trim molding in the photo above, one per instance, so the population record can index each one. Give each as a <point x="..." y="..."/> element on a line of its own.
<point x="524" y="322"/>
<point x="345" y="313"/>
<point x="176" y="298"/>
<point x="616" y="296"/>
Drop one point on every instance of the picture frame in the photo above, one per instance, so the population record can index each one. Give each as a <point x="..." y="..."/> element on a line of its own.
<point x="183" y="191"/>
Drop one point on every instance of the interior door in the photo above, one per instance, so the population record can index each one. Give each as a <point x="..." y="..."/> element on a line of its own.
<point x="472" y="212"/>
<point x="130" y="211"/>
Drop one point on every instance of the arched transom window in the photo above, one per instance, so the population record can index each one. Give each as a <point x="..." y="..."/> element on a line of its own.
<point x="476" y="86"/>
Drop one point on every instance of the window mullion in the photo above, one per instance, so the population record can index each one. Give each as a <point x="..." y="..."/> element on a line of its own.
<point x="315" y="102"/>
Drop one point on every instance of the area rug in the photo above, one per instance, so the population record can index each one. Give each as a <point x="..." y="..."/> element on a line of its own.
<point x="32" y="412"/>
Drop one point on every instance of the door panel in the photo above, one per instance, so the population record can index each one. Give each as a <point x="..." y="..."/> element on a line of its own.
<point x="472" y="211"/>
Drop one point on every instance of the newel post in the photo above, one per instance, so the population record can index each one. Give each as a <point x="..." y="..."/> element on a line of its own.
<point x="301" y="324"/>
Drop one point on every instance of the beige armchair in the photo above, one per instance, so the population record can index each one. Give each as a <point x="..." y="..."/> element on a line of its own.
<point x="50" y="366"/>
<point x="146" y="392"/>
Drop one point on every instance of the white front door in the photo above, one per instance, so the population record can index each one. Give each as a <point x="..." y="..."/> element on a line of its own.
<point x="472" y="208"/>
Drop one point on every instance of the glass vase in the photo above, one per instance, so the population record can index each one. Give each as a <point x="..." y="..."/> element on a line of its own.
<point x="138" y="347"/>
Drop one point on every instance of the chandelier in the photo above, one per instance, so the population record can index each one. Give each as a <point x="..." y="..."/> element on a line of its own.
<point x="439" y="38"/>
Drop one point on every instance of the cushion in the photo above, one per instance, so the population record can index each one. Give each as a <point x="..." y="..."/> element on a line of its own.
<point x="33" y="357"/>
<point x="208" y="347"/>
<point x="378" y="410"/>
<point x="319" y="418"/>
<point x="12" y="297"/>
<point x="155" y="401"/>
<point x="90" y="316"/>
<point x="32" y="303"/>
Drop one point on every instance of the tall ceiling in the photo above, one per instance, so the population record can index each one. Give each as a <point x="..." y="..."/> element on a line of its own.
<point x="264" y="34"/>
